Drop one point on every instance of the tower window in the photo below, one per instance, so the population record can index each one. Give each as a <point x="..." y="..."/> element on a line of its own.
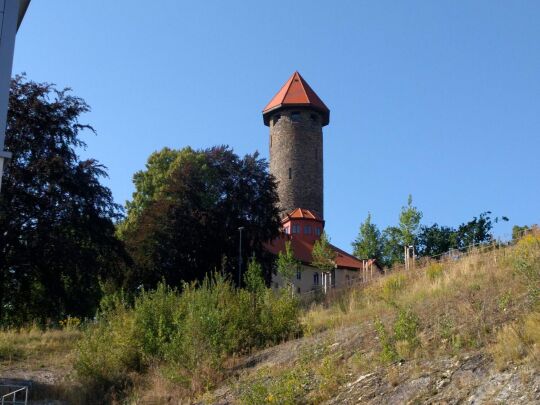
<point x="316" y="149"/>
<point x="318" y="231"/>
<point x="298" y="274"/>
<point x="275" y="119"/>
<point x="314" y="117"/>
<point x="295" y="116"/>
<point x="307" y="230"/>
<point x="290" y="173"/>
<point x="296" y="229"/>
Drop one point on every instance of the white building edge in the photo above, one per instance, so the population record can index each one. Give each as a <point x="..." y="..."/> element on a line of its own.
<point x="11" y="15"/>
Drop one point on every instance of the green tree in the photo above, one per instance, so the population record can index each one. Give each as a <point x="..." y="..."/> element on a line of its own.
<point x="519" y="231"/>
<point x="253" y="279"/>
<point x="187" y="228"/>
<point x="58" y="238"/>
<point x="286" y="263"/>
<point x="323" y="254"/>
<point x="435" y="240"/>
<point x="149" y="183"/>
<point x="409" y="223"/>
<point x="392" y="246"/>
<point x="368" y="243"/>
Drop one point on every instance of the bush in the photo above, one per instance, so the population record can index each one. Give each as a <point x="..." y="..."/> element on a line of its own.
<point x="192" y="332"/>
<point x="402" y="340"/>
<point x="434" y="271"/>
<point x="392" y="285"/>
<point x="526" y="261"/>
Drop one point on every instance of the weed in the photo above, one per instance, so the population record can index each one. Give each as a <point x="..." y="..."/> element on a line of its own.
<point x="434" y="271"/>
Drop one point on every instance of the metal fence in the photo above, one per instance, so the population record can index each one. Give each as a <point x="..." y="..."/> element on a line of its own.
<point x="16" y="395"/>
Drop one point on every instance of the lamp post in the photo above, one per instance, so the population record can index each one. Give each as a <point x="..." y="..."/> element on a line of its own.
<point x="240" y="229"/>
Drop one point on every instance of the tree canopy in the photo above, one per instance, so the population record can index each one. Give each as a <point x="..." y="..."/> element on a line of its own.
<point x="58" y="237"/>
<point x="184" y="217"/>
<point x="323" y="254"/>
<point x="368" y="244"/>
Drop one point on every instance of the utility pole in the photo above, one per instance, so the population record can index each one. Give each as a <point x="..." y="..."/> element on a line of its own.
<point x="240" y="229"/>
<point x="11" y="15"/>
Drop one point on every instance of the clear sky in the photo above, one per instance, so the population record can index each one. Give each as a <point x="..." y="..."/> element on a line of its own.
<point x="437" y="99"/>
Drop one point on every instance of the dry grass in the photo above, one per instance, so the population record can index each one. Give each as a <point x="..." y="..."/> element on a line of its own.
<point x="34" y="345"/>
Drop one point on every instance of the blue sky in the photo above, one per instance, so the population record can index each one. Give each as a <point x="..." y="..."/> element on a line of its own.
<point x="437" y="99"/>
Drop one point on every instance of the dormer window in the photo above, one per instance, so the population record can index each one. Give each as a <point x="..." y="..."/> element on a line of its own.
<point x="296" y="116"/>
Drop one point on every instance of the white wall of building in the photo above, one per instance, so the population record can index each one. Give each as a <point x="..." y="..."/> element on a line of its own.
<point x="306" y="282"/>
<point x="9" y="19"/>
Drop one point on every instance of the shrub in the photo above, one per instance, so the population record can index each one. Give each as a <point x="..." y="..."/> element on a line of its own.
<point x="388" y="347"/>
<point x="434" y="271"/>
<point x="518" y="340"/>
<point x="402" y="340"/>
<point x="191" y="331"/>
<point x="392" y="285"/>
<point x="526" y="262"/>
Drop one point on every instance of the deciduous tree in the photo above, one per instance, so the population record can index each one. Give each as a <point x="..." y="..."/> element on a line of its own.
<point x="57" y="238"/>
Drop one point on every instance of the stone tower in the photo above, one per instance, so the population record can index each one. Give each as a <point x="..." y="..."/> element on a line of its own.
<point x="296" y="116"/>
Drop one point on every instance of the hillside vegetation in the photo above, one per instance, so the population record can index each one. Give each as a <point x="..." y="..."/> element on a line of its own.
<point x="448" y="330"/>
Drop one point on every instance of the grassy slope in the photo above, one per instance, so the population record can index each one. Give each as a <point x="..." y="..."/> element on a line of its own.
<point x="431" y="333"/>
<point x="396" y="333"/>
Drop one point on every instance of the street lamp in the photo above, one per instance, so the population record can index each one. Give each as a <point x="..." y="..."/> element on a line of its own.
<point x="240" y="229"/>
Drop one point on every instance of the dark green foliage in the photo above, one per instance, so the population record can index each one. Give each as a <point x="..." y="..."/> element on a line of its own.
<point x="435" y="240"/>
<point x="392" y="247"/>
<point x="57" y="236"/>
<point x="184" y="217"/>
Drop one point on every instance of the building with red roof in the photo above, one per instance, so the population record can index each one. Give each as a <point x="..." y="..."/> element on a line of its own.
<point x="296" y="116"/>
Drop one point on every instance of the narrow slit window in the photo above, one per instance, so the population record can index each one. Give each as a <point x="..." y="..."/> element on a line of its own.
<point x="290" y="173"/>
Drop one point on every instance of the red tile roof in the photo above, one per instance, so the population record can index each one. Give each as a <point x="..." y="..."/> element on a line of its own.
<point x="301" y="213"/>
<point x="296" y="93"/>
<point x="303" y="248"/>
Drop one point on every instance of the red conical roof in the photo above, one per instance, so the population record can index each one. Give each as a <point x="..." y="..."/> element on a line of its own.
<point x="296" y="93"/>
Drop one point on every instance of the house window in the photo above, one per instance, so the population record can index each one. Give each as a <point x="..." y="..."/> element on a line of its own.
<point x="276" y="286"/>
<point x="307" y="230"/>
<point x="315" y="278"/>
<point x="298" y="274"/>
<point x="290" y="173"/>
<point x="295" y="116"/>
<point x="333" y="276"/>
<point x="298" y="290"/>
<point x="296" y="229"/>
<point x="318" y="231"/>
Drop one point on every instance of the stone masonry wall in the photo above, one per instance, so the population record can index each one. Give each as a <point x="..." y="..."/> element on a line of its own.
<point x="296" y="148"/>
